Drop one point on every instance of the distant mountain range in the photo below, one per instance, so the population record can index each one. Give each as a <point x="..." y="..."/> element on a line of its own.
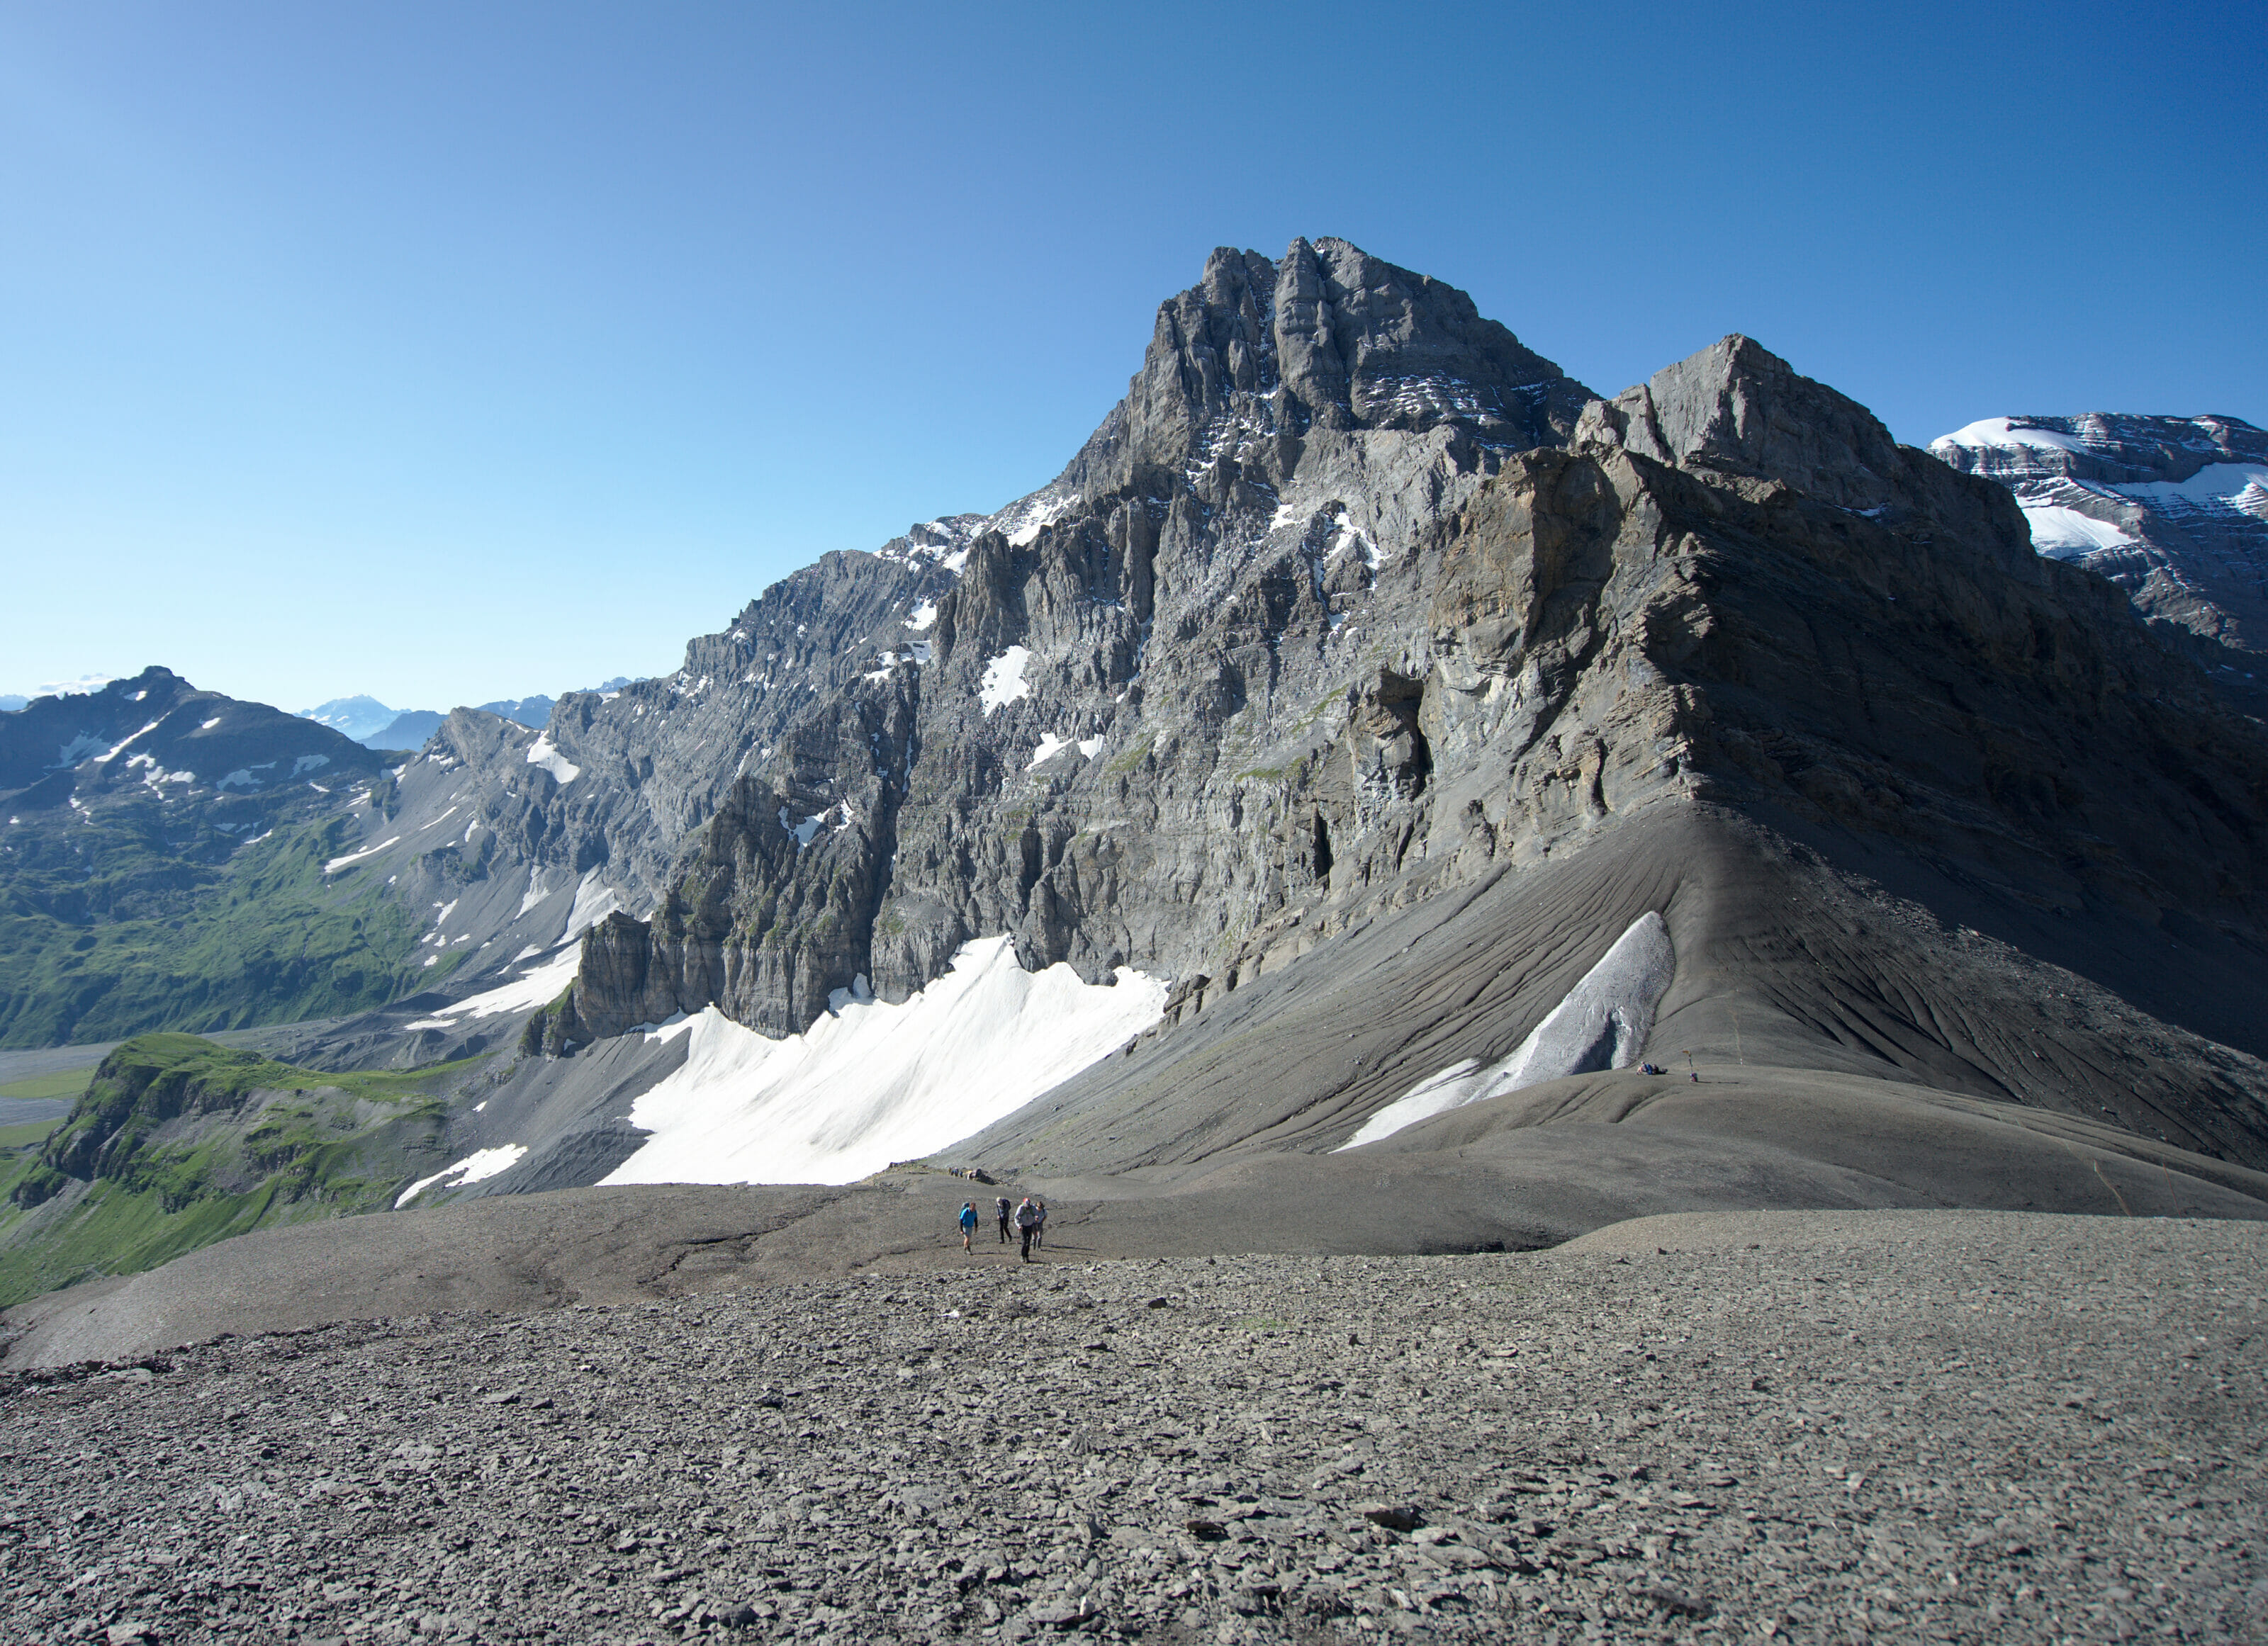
<point x="374" y="725"/>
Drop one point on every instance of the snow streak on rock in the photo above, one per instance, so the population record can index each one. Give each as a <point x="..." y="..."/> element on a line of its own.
<point x="1602" y="1024"/>
<point x="481" y="1162"/>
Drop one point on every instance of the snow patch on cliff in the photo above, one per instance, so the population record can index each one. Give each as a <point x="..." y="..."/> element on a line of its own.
<point x="1003" y="681"/>
<point x="2058" y="530"/>
<point x="563" y="770"/>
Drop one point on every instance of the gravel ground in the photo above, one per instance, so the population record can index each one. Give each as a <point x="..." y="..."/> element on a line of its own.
<point x="1913" y="1425"/>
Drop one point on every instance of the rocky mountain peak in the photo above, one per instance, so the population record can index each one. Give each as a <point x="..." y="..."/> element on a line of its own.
<point x="1736" y="408"/>
<point x="1245" y="362"/>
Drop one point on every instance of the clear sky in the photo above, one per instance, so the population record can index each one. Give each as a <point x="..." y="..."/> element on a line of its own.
<point x="448" y="352"/>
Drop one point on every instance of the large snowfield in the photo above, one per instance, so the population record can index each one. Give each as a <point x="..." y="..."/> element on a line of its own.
<point x="874" y="1082"/>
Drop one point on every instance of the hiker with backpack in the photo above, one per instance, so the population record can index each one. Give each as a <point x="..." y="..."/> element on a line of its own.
<point x="1028" y="1220"/>
<point x="967" y="1224"/>
<point x="1001" y="1205"/>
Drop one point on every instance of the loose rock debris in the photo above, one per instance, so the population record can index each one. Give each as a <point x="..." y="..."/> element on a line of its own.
<point x="1975" y="1426"/>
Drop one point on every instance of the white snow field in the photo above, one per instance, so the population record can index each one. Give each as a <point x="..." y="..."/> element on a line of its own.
<point x="2215" y="482"/>
<point x="538" y="988"/>
<point x="2058" y="530"/>
<point x="481" y="1162"/>
<point x="2000" y="431"/>
<point x="1614" y="1001"/>
<point x="874" y="1082"/>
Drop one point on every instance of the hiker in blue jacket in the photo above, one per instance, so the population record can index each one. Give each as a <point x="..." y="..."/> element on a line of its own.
<point x="967" y="1224"/>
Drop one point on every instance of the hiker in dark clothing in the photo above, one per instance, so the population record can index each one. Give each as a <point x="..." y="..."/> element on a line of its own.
<point x="1039" y="1229"/>
<point x="1002" y="1203"/>
<point x="1028" y="1220"/>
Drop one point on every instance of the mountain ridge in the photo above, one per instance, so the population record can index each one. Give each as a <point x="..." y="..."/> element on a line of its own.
<point x="1364" y="684"/>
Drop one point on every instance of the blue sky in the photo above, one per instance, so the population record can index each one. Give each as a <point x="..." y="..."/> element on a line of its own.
<point x="451" y="352"/>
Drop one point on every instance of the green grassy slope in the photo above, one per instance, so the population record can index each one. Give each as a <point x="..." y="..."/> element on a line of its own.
<point x="119" y="937"/>
<point x="178" y="1142"/>
<point x="59" y="1086"/>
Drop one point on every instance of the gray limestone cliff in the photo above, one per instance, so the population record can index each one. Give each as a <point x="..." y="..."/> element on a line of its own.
<point x="1353" y="600"/>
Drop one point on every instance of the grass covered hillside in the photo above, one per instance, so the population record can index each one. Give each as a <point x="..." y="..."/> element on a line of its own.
<point x="161" y="867"/>
<point x="176" y="1142"/>
<point x="117" y="927"/>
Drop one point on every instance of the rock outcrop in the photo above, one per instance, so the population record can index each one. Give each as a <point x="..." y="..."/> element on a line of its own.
<point x="1292" y="643"/>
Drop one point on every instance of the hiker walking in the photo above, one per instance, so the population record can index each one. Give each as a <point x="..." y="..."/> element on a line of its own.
<point x="1039" y="1229"/>
<point x="1002" y="1206"/>
<point x="1028" y="1220"/>
<point x="967" y="1224"/>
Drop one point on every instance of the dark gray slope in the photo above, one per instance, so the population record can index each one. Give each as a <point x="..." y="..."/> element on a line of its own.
<point x="1786" y="956"/>
<point x="1534" y="1169"/>
<point x="1974" y="1426"/>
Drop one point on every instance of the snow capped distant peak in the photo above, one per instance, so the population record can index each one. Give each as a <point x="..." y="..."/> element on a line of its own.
<point x="83" y="686"/>
<point x="2009" y="434"/>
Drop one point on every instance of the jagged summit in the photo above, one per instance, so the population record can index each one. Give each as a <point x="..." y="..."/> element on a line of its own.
<point x="1258" y="353"/>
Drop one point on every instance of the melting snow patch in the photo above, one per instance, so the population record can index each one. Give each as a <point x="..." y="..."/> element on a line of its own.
<point x="1004" y="679"/>
<point x="115" y="748"/>
<point x="1602" y="1024"/>
<point x="1050" y="746"/>
<point x="540" y="752"/>
<point x="802" y="831"/>
<point x="207" y="726"/>
<point x="539" y="987"/>
<point x="337" y="864"/>
<point x="877" y="1082"/>
<point x="1345" y="534"/>
<point x="2058" y="530"/>
<point x="922" y="616"/>
<point x="1087" y="747"/>
<point x="310" y="763"/>
<point x="484" y="1162"/>
<point x="535" y="893"/>
<point x="593" y="901"/>
<point x="76" y="750"/>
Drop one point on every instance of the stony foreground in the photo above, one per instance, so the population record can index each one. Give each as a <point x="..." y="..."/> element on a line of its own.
<point x="1819" y="1426"/>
